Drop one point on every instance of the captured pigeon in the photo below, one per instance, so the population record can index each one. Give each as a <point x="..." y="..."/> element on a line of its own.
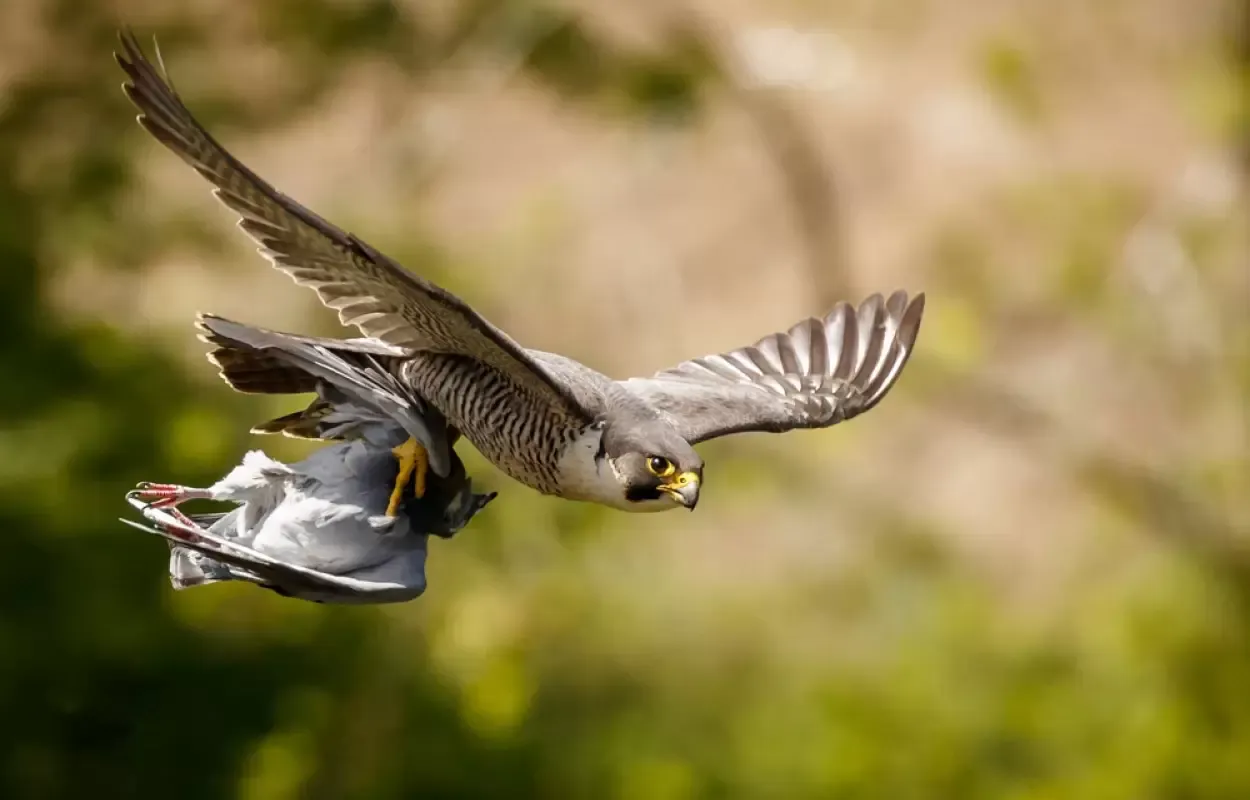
<point x="317" y="529"/>
<point x="356" y="391"/>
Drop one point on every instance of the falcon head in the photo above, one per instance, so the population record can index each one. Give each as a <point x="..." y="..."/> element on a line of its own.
<point x="656" y="468"/>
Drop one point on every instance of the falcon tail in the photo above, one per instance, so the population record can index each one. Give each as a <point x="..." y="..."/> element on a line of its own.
<point x="352" y="378"/>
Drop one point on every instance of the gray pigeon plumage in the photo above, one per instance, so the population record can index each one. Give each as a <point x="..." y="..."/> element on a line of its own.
<point x="317" y="529"/>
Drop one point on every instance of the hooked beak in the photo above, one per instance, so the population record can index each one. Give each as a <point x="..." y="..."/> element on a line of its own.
<point x="684" y="489"/>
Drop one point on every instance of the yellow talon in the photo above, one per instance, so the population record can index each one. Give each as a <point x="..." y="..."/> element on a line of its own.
<point x="412" y="458"/>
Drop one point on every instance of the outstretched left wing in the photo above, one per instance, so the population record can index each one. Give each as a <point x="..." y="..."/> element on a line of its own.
<point x="817" y="374"/>
<point x="369" y="290"/>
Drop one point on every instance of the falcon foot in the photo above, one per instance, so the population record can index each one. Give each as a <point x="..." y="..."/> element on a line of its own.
<point x="167" y="495"/>
<point x="412" y="459"/>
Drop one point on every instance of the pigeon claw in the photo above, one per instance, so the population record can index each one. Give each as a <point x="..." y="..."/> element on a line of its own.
<point x="167" y="495"/>
<point x="174" y="529"/>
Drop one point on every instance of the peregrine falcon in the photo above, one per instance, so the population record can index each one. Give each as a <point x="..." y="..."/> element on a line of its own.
<point x="545" y="420"/>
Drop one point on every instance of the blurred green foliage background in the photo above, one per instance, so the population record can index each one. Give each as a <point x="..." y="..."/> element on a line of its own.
<point x="1026" y="575"/>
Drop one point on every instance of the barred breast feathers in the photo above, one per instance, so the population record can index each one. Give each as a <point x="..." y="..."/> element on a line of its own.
<point x="524" y="438"/>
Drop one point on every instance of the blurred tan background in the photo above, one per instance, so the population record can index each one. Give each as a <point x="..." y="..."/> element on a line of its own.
<point x="1026" y="574"/>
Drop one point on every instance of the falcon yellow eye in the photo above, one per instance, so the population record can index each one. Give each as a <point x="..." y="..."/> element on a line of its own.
<point x="660" y="467"/>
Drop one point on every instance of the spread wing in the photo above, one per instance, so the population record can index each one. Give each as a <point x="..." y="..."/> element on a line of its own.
<point x="369" y="290"/>
<point x="819" y="373"/>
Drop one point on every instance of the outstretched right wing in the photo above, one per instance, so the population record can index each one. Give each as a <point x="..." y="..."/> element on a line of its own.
<point x="819" y="373"/>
